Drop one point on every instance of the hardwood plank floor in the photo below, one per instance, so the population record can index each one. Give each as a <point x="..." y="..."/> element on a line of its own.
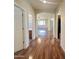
<point x="42" y="49"/>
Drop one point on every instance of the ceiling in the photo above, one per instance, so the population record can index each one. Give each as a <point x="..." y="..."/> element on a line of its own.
<point x="41" y="7"/>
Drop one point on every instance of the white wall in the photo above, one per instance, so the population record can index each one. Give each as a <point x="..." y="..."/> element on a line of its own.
<point x="61" y="11"/>
<point x="27" y="9"/>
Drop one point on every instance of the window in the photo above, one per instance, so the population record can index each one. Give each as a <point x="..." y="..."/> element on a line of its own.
<point x="41" y="22"/>
<point x="41" y="32"/>
<point x="30" y="22"/>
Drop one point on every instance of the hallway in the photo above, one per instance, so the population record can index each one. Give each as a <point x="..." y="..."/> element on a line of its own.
<point x="39" y="29"/>
<point x="42" y="49"/>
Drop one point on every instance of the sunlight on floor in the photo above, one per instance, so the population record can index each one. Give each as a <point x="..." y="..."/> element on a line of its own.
<point x="52" y="41"/>
<point x="39" y="40"/>
<point x="30" y="57"/>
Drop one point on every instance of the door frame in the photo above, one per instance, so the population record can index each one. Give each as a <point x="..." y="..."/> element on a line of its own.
<point x="59" y="18"/>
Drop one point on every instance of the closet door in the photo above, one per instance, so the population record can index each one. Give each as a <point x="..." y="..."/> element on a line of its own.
<point x="18" y="33"/>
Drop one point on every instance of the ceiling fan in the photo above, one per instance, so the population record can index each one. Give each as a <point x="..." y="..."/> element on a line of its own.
<point x="47" y="2"/>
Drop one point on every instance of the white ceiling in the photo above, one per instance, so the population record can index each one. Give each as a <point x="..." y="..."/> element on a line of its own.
<point x="41" y="7"/>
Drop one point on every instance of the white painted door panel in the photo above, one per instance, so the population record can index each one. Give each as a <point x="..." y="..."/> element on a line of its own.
<point x="18" y="34"/>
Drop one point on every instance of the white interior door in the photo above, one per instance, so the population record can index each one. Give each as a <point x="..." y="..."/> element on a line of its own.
<point x="18" y="34"/>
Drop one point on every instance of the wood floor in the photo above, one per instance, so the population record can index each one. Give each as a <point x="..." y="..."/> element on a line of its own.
<point x="42" y="49"/>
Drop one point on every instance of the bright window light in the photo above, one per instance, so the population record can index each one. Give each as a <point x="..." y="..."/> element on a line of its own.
<point x="41" y="32"/>
<point x="41" y="22"/>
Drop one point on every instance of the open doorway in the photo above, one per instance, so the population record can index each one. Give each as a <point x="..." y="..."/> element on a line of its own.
<point x="30" y="26"/>
<point x="30" y="35"/>
<point x="59" y="27"/>
<point x="42" y="28"/>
